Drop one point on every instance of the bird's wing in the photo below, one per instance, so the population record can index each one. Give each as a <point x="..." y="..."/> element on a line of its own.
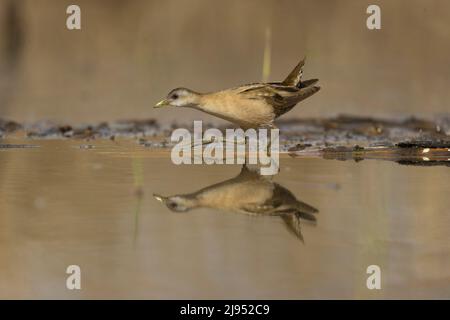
<point x="279" y="203"/>
<point x="258" y="208"/>
<point x="282" y="98"/>
<point x="273" y="93"/>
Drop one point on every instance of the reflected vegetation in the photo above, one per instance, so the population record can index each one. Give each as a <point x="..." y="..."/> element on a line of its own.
<point x="248" y="193"/>
<point x="138" y="179"/>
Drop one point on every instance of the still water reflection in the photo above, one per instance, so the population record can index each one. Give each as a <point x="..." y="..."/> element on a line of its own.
<point x="248" y="193"/>
<point x="62" y="204"/>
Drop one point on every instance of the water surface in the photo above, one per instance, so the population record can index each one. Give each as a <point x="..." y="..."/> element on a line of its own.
<point x="91" y="204"/>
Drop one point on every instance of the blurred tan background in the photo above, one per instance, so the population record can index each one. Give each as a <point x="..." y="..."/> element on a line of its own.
<point x="129" y="54"/>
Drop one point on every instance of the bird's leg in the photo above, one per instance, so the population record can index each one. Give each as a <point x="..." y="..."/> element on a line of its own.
<point x="215" y="140"/>
<point x="269" y="138"/>
<point x="268" y="158"/>
<point x="193" y="144"/>
<point x="223" y="140"/>
<point x="246" y="138"/>
<point x="224" y="143"/>
<point x="201" y="143"/>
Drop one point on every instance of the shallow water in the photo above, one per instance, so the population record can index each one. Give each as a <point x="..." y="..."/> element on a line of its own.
<point x="62" y="204"/>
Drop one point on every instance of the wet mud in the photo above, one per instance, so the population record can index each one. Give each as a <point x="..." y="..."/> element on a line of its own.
<point x="409" y="141"/>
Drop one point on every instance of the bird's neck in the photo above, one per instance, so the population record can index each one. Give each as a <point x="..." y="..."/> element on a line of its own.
<point x="191" y="201"/>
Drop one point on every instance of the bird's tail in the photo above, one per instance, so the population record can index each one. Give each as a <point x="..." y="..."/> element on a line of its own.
<point x="307" y="83"/>
<point x="306" y="216"/>
<point x="292" y="219"/>
<point x="294" y="79"/>
<point x="306" y="212"/>
<point x="292" y="222"/>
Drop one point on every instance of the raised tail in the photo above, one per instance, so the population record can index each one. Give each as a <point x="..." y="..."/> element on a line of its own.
<point x="305" y="211"/>
<point x="292" y="219"/>
<point x="307" y="83"/>
<point x="294" y="79"/>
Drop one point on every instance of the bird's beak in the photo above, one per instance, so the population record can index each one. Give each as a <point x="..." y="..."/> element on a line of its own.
<point x="162" y="103"/>
<point x="160" y="198"/>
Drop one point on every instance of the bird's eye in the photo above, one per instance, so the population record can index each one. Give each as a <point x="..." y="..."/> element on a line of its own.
<point x="174" y="96"/>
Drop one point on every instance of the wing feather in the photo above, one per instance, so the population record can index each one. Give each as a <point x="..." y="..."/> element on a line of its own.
<point x="282" y="98"/>
<point x="294" y="78"/>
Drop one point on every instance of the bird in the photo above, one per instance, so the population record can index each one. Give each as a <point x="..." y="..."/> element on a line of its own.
<point x="254" y="105"/>
<point x="248" y="193"/>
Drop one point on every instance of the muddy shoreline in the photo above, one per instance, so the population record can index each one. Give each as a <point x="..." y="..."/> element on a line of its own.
<point x="409" y="141"/>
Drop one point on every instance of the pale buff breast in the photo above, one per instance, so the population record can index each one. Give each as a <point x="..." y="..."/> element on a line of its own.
<point x="235" y="196"/>
<point x="238" y="109"/>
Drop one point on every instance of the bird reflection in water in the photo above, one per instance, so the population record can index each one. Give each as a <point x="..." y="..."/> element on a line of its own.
<point x="248" y="193"/>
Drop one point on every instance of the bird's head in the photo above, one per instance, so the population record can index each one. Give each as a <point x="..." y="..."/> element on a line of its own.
<point x="180" y="97"/>
<point x="177" y="203"/>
